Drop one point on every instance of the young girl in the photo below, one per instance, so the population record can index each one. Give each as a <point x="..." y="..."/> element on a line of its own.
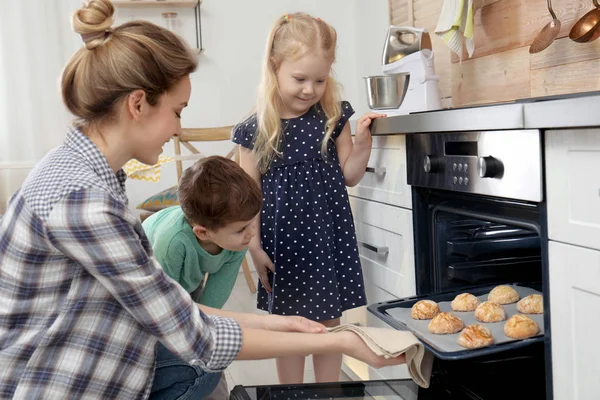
<point x="83" y="300"/>
<point x="298" y="146"/>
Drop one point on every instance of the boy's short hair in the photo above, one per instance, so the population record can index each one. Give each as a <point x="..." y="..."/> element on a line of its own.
<point x="216" y="191"/>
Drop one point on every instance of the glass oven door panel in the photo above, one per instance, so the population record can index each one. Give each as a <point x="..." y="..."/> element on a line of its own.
<point x="404" y="389"/>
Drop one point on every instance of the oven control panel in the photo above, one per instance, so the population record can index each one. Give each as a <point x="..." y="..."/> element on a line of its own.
<point x="505" y="164"/>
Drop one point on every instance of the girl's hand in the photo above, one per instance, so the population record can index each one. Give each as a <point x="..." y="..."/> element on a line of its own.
<point x="262" y="263"/>
<point x="363" y="130"/>
<point x="290" y="324"/>
<point x="355" y="347"/>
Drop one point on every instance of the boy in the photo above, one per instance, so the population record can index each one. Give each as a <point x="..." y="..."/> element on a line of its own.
<point x="210" y="231"/>
<point x="201" y="243"/>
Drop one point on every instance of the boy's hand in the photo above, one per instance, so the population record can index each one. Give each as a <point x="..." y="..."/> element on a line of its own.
<point x="291" y="324"/>
<point x="363" y="130"/>
<point x="262" y="264"/>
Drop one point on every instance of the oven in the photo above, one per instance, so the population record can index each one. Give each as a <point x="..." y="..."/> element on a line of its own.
<point x="479" y="220"/>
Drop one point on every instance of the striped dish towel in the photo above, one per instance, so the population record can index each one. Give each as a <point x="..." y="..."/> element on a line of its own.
<point x="151" y="173"/>
<point x="455" y="26"/>
<point x="144" y="172"/>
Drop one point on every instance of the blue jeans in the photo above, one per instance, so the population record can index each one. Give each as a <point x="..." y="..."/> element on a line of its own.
<point x="176" y="379"/>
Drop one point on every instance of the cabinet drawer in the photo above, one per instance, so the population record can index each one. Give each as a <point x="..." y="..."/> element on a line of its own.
<point x="389" y="142"/>
<point x="385" y="242"/>
<point x="385" y="179"/>
<point x="574" y="302"/>
<point x="375" y="294"/>
<point x="573" y="186"/>
<point x="358" y="315"/>
<point x="386" y="217"/>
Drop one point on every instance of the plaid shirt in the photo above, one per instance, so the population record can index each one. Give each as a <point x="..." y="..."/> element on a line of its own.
<point x="82" y="299"/>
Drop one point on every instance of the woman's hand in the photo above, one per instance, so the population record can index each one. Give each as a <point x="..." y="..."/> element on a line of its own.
<point x="355" y="347"/>
<point x="262" y="264"/>
<point x="290" y="324"/>
<point x="363" y="130"/>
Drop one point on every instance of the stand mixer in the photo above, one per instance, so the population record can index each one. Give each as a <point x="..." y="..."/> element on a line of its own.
<point x="409" y="83"/>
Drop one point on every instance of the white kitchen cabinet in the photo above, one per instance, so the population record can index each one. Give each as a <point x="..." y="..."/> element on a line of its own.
<point x="573" y="186"/>
<point x="381" y="205"/>
<point x="574" y="305"/>
<point x="385" y="179"/>
<point x="385" y="243"/>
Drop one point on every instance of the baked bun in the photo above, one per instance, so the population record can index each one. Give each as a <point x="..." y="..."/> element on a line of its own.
<point x="503" y="295"/>
<point x="490" y="312"/>
<point x="532" y="304"/>
<point x="444" y="323"/>
<point x="465" y="302"/>
<point x="424" y="309"/>
<point x="475" y="336"/>
<point x="520" y="326"/>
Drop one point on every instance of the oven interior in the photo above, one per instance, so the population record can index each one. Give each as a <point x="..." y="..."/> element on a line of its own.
<point x="472" y="251"/>
<point x="464" y="240"/>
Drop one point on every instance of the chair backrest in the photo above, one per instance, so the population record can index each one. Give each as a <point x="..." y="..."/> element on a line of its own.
<point x="202" y="135"/>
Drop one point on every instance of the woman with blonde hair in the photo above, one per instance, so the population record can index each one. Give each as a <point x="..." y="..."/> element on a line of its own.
<point x="298" y="147"/>
<point x="83" y="300"/>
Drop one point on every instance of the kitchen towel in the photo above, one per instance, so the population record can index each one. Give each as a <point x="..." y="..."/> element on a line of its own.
<point x="391" y="343"/>
<point x="455" y="26"/>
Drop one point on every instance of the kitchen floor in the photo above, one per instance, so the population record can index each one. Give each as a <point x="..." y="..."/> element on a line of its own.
<point x="261" y="372"/>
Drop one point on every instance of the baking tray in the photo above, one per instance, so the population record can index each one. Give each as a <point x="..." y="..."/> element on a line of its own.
<point x="397" y="314"/>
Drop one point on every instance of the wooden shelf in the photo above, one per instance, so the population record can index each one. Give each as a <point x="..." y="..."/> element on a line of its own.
<point x="156" y="3"/>
<point x="195" y="4"/>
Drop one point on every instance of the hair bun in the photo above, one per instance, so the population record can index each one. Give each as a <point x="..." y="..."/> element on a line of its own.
<point x="93" y="22"/>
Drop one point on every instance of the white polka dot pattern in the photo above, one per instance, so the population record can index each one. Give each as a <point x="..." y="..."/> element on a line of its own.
<point x="307" y="226"/>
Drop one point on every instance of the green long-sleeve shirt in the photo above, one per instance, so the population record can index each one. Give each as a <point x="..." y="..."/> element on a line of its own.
<point x="183" y="259"/>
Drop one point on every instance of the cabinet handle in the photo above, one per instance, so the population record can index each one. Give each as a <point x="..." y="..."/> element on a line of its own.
<point x="380" y="250"/>
<point x="376" y="170"/>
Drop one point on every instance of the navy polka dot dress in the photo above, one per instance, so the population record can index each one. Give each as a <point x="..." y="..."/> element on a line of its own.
<point x="307" y="228"/>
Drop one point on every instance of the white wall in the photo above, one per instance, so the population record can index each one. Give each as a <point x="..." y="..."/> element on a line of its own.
<point x="234" y="34"/>
<point x="36" y="41"/>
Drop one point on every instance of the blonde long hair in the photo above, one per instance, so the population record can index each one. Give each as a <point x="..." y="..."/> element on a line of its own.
<point x="293" y="36"/>
<point x="116" y="61"/>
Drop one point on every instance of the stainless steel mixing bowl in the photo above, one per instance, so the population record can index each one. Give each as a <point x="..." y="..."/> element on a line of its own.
<point x="386" y="92"/>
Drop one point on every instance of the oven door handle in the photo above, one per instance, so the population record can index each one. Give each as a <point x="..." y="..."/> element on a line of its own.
<point x="375" y="170"/>
<point x="376" y="249"/>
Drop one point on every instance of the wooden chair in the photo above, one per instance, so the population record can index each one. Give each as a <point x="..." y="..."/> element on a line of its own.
<point x="190" y="136"/>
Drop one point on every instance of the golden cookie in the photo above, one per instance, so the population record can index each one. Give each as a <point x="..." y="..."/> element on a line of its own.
<point x="532" y="304"/>
<point x="475" y="336"/>
<point x="424" y="309"/>
<point x="520" y="326"/>
<point x="465" y="302"/>
<point x="490" y="312"/>
<point x="503" y="295"/>
<point x="445" y="323"/>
